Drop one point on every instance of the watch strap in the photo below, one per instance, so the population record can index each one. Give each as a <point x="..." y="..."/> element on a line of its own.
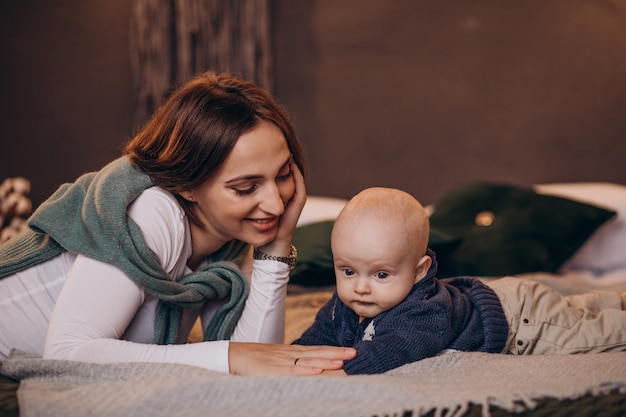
<point x="289" y="260"/>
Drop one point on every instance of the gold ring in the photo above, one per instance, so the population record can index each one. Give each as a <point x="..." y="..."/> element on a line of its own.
<point x="296" y="361"/>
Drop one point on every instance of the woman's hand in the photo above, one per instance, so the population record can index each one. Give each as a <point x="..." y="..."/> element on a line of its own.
<point x="280" y="246"/>
<point x="268" y="359"/>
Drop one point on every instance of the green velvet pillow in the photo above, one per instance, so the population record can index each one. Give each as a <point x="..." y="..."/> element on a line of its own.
<point x="315" y="259"/>
<point x="507" y="230"/>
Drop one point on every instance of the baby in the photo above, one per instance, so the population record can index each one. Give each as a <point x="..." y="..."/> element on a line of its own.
<point x="390" y="306"/>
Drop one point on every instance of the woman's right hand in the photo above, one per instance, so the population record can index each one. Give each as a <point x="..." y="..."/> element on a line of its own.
<point x="276" y="359"/>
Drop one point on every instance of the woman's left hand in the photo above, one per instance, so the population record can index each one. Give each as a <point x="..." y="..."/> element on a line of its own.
<point x="278" y="359"/>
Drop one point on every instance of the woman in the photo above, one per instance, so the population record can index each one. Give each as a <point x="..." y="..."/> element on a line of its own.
<point x="118" y="265"/>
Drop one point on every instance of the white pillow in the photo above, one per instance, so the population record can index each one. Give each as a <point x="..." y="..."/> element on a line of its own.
<point x="605" y="250"/>
<point x="317" y="209"/>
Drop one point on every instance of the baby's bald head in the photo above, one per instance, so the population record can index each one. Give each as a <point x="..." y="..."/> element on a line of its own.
<point x="395" y="208"/>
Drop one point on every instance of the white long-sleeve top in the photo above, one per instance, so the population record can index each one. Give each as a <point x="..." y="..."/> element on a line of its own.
<point x="74" y="307"/>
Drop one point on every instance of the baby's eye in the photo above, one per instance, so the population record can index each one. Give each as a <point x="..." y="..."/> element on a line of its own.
<point x="348" y="272"/>
<point x="382" y="275"/>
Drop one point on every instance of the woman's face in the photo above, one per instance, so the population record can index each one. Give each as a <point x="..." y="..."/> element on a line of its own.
<point x="246" y="196"/>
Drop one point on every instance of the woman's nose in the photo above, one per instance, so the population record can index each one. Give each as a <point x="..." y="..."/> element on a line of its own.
<point x="271" y="201"/>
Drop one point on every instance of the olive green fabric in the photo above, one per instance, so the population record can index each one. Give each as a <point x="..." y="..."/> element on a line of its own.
<point x="315" y="259"/>
<point x="521" y="231"/>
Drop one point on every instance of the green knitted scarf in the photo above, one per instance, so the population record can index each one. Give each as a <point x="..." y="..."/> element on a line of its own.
<point x="89" y="217"/>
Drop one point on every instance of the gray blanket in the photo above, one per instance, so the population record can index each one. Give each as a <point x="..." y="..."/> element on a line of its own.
<point x="447" y="384"/>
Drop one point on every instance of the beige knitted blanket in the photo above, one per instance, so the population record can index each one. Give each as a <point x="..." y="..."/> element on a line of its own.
<point x="447" y="384"/>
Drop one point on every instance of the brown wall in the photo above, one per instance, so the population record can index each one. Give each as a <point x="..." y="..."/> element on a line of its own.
<point x="65" y="88"/>
<point x="422" y="95"/>
<point x="427" y="95"/>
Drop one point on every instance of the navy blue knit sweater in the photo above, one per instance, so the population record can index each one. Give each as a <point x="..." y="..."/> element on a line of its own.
<point x="461" y="314"/>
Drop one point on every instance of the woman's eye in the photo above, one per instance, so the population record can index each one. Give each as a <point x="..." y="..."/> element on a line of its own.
<point x="245" y="191"/>
<point x="382" y="275"/>
<point x="285" y="176"/>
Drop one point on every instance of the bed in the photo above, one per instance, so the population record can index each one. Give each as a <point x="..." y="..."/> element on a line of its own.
<point x="570" y="236"/>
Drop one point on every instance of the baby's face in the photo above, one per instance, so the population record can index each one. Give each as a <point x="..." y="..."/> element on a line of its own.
<point x="375" y="267"/>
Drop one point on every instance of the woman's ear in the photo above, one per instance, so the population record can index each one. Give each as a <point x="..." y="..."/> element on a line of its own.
<point x="422" y="267"/>
<point x="187" y="195"/>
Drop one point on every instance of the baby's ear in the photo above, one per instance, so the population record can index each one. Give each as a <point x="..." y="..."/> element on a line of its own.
<point x="422" y="267"/>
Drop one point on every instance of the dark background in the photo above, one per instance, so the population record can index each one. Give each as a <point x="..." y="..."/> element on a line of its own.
<point x="422" y="95"/>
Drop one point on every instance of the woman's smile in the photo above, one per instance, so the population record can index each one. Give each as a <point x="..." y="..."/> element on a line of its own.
<point x="264" y="225"/>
